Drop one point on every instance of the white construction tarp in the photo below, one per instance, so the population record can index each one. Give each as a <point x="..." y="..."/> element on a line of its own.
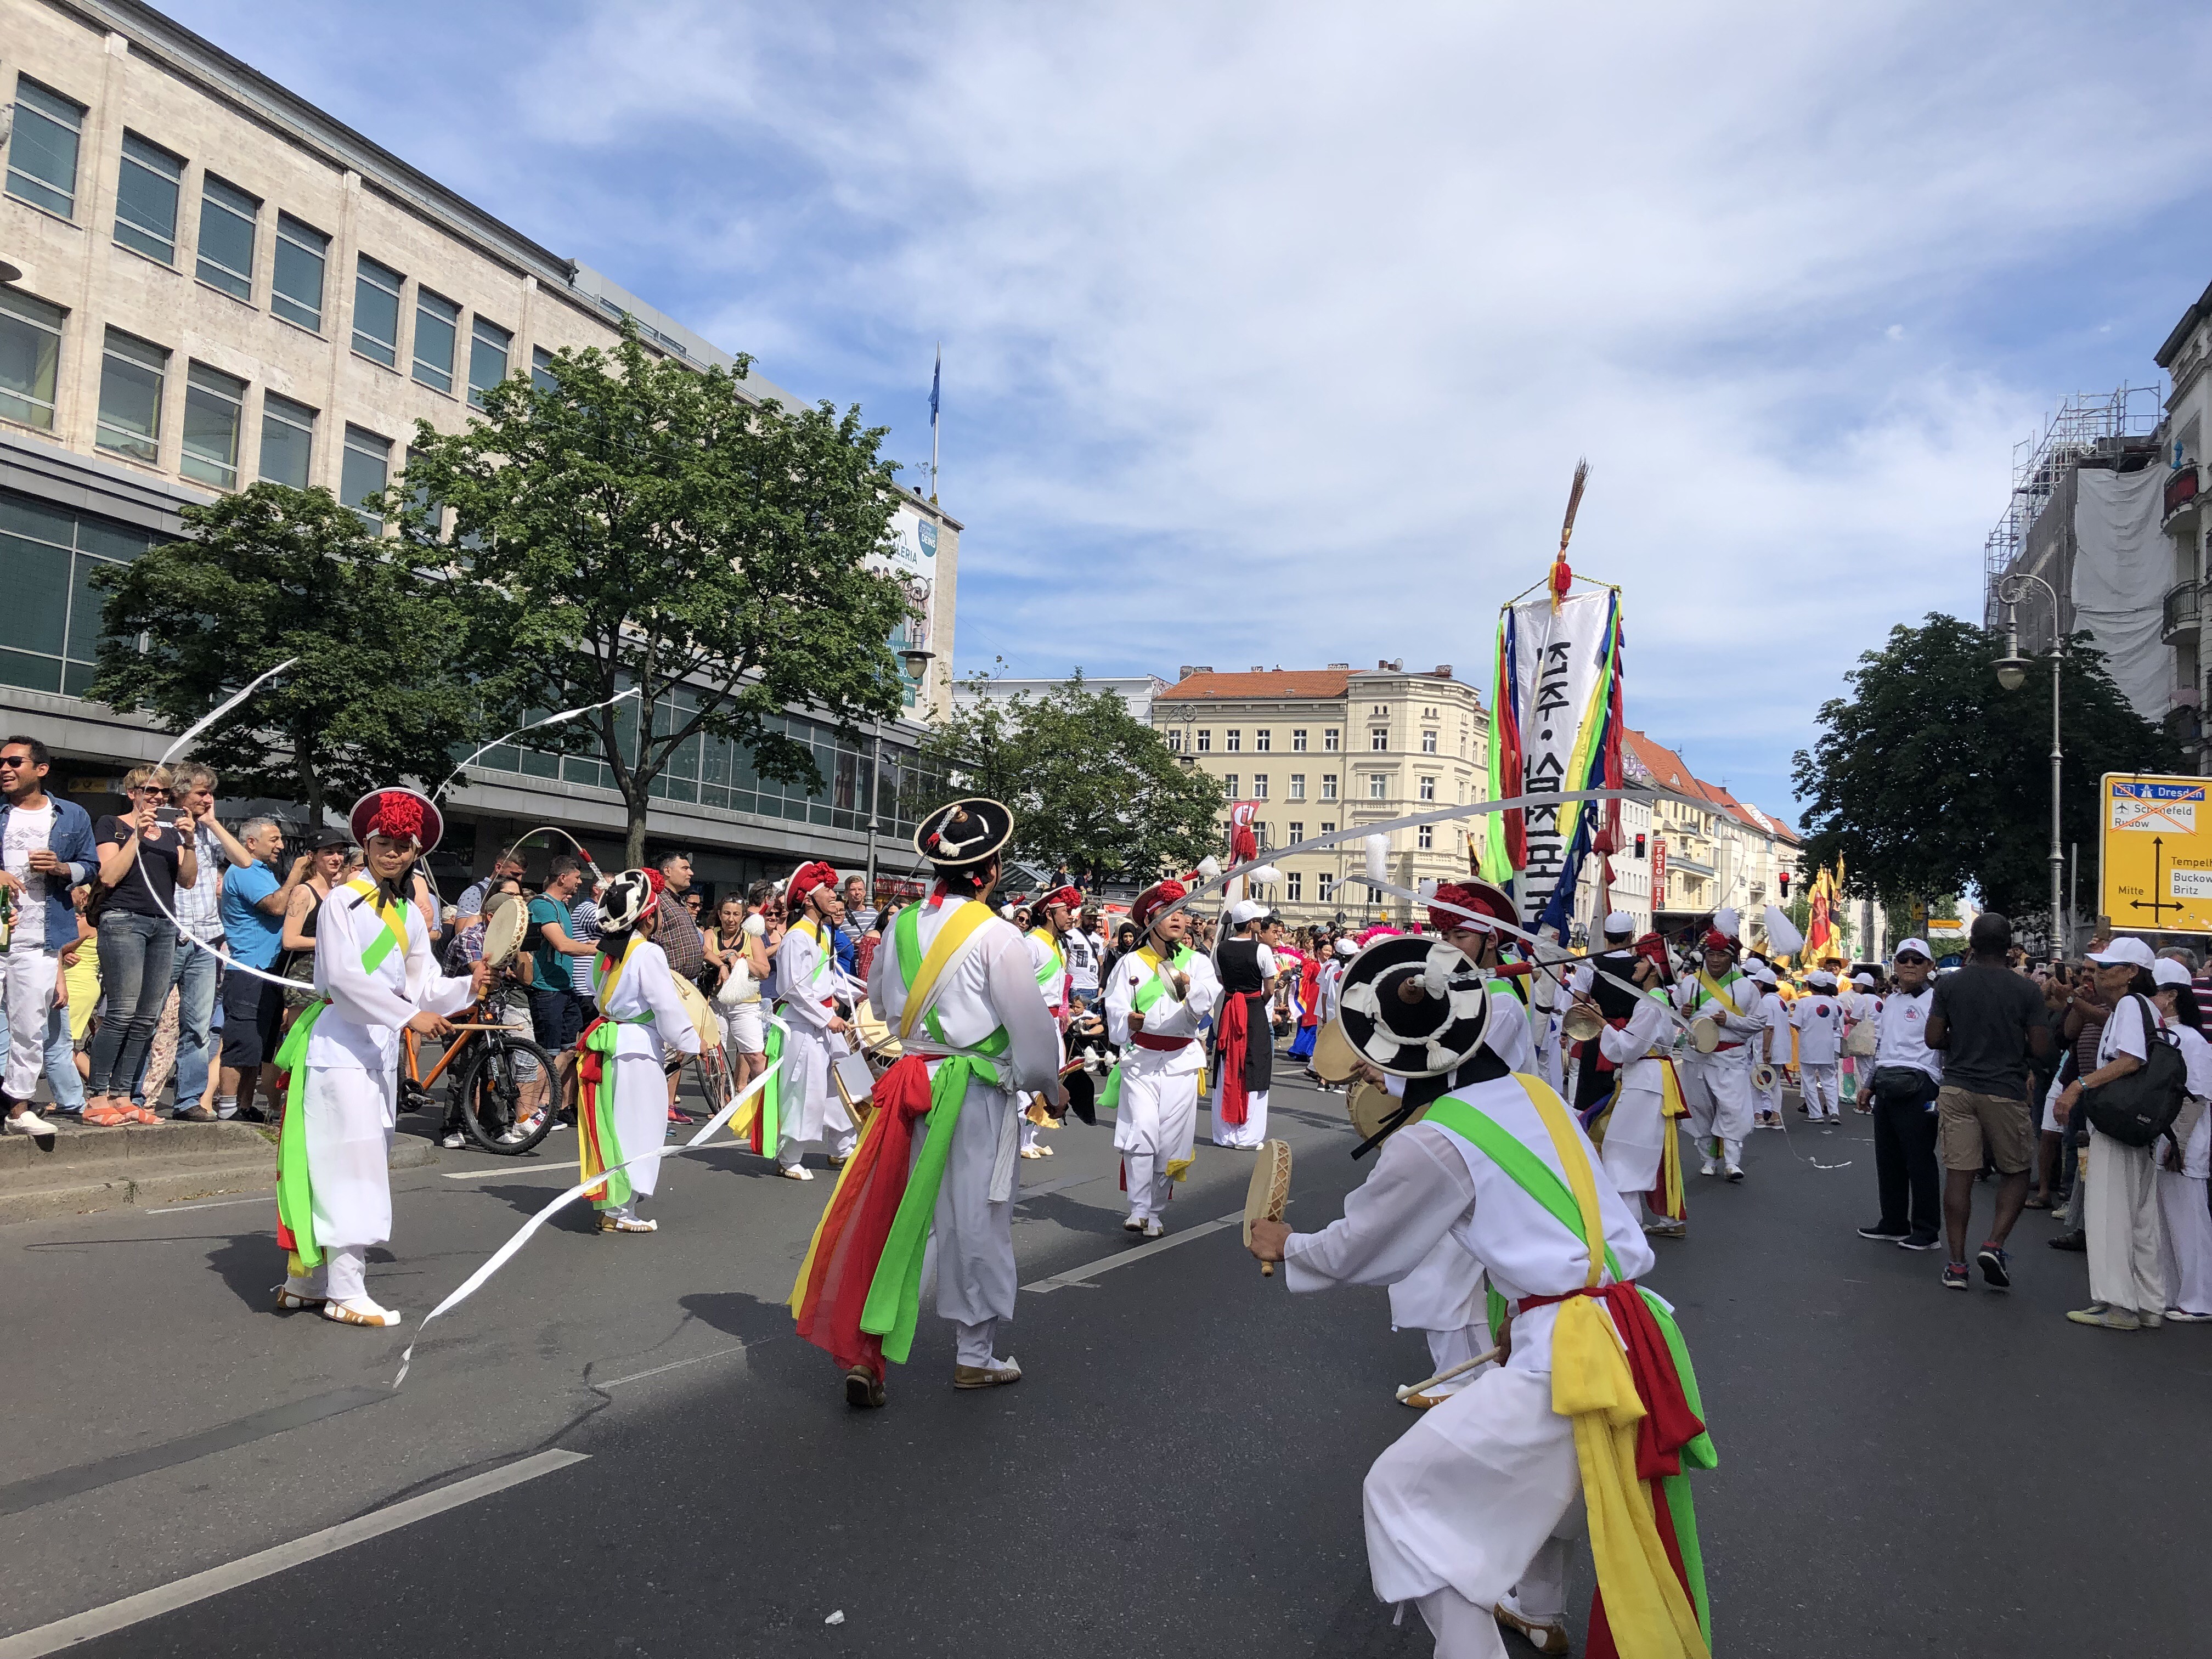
<point x="2122" y="566"/>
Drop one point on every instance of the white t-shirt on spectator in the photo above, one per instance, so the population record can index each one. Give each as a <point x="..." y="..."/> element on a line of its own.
<point x="28" y="833"/>
<point x="2123" y="1033"/>
<point x="1819" y="1018"/>
<point x="1904" y="1040"/>
<point x="1080" y="951"/>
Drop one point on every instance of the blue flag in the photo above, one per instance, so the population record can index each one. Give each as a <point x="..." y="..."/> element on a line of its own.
<point x="935" y="375"/>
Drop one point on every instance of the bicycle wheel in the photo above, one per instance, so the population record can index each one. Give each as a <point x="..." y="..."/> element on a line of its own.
<point x="490" y="1089"/>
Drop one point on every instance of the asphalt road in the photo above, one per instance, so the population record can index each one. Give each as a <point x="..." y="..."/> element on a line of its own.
<point x="1904" y="1470"/>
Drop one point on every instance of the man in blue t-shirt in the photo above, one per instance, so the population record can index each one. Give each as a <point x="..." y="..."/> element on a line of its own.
<point x="253" y="905"/>
<point x="557" y="1012"/>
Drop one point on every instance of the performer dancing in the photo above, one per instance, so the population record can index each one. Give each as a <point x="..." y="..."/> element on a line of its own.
<point x="1717" y="1086"/>
<point x="1055" y="912"/>
<point x="1769" y="1045"/>
<point x="1818" y="1019"/>
<point x="1243" y="1041"/>
<point x="1159" y="997"/>
<point x="1640" y="1145"/>
<point x="1471" y="1516"/>
<point x="374" y="976"/>
<point x="811" y="1110"/>
<point x="622" y="1106"/>
<point x="955" y="982"/>
<point x="1594" y="1079"/>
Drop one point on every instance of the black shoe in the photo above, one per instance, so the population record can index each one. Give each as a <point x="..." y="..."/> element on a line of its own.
<point x="1916" y="1243"/>
<point x="2077" y="1240"/>
<point x="1955" y="1276"/>
<point x="1882" y="1232"/>
<point x="252" y="1115"/>
<point x="1996" y="1264"/>
<point x="863" y="1388"/>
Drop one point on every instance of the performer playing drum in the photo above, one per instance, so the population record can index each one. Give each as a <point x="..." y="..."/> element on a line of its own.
<point x="811" y="1110"/>
<point x="1642" y="1146"/>
<point x="1716" y="1086"/>
<point x="956" y="983"/>
<point x="1159" y="997"/>
<point x="1471" y="1516"/>
<point x="1615" y="1002"/>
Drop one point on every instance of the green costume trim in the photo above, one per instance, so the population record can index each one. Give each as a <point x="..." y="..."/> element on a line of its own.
<point x="295" y="1190"/>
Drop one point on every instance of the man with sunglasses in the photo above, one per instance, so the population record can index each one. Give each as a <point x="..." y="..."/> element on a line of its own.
<point x="46" y="850"/>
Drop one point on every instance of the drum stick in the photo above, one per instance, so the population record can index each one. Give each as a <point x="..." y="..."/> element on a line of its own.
<point x="1446" y="1376"/>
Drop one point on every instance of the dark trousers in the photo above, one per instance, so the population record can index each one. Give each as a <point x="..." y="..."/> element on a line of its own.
<point x="1905" y="1161"/>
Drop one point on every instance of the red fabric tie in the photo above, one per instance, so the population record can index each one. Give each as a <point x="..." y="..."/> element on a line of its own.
<point x="1235" y="1033"/>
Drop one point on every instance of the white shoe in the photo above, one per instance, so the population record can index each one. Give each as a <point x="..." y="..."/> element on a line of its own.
<point x="28" y="1123"/>
<point x="1545" y="1635"/>
<point x="1152" y="1228"/>
<point x="359" y="1311"/>
<point x="795" y="1172"/>
<point x="1032" y="1152"/>
<point x="452" y="1141"/>
<point x="1134" y="1224"/>
<point x="1710" y="1168"/>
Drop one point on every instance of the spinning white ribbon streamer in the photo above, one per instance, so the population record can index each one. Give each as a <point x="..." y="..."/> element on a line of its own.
<point x="507" y="1252"/>
<point x="550" y="720"/>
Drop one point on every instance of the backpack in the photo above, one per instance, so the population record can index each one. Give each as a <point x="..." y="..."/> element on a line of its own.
<point x="2137" y="1108"/>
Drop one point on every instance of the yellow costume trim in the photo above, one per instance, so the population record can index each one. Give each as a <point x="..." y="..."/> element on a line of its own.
<point x="950" y="938"/>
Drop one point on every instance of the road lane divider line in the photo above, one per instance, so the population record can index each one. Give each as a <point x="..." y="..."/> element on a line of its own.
<point x="1107" y="1264"/>
<point x="678" y="1365"/>
<point x="269" y="1198"/>
<point x="246" y="1569"/>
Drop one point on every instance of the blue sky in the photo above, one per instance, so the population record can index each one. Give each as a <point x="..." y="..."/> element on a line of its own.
<point x="1272" y="334"/>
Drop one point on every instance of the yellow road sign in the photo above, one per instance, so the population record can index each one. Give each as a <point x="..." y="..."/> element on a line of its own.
<point x="2154" y="852"/>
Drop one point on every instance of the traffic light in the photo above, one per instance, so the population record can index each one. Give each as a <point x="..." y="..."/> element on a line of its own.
<point x="1783" y="877"/>
<point x="1639" y="846"/>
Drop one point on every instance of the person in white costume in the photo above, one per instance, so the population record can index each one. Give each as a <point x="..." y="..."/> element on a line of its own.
<point x="806" y="995"/>
<point x="1160" y="998"/>
<point x="1055" y="914"/>
<point x="1471" y="1515"/>
<point x="1717" y="1087"/>
<point x="642" y="1022"/>
<point x="1251" y="971"/>
<point x="956" y="984"/>
<point x="1641" y="1045"/>
<point x="2186" y="1244"/>
<point x="1818" y="1019"/>
<point x="375" y="975"/>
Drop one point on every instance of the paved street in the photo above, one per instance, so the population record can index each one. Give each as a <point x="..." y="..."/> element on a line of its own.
<point x="1904" y="1470"/>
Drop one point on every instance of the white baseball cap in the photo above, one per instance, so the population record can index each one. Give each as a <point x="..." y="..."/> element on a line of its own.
<point x="1620" y="922"/>
<point x="1866" y="980"/>
<point x="2170" y="972"/>
<point x="1246" y="910"/>
<point x="2127" y="949"/>
<point x="1919" y="946"/>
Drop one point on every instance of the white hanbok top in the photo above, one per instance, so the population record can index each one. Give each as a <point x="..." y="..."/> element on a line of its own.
<point x="1325" y="987"/>
<point x="644" y="984"/>
<point x="1637" y="1046"/>
<point x="802" y="980"/>
<point x="1170" y="1017"/>
<point x="990" y="982"/>
<point x="360" y="1030"/>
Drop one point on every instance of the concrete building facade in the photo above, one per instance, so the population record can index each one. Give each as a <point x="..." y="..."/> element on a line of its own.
<point x="204" y="280"/>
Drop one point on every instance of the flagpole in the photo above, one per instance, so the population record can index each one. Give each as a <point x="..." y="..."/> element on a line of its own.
<point x="936" y="377"/>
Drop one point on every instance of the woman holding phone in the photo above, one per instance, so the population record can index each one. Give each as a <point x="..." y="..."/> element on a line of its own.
<point x="143" y="859"/>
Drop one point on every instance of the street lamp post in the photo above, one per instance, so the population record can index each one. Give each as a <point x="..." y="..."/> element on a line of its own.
<point x="2012" y="674"/>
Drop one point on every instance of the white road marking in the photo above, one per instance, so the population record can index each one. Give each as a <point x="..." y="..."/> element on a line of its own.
<point x="507" y="1170"/>
<point x="1107" y="1264"/>
<point x="676" y="1365"/>
<point x="148" y="1604"/>
<point x="220" y="1204"/>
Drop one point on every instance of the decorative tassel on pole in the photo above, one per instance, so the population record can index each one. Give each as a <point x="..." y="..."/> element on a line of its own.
<point x="1562" y="577"/>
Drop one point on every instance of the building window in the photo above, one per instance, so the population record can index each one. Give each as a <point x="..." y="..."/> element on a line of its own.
<point x="1428" y="742"/>
<point x="1298" y="786"/>
<point x="1259" y="786"/>
<point x="1174" y="739"/>
<point x="437" y="326"/>
<point x="1375" y="783"/>
<point x="1381" y="711"/>
<point x="50" y="628"/>
<point x="1327" y="829"/>
<point x="227" y="216"/>
<point x="130" y="371"/>
<point x="541" y="369"/>
<point x="1329" y="742"/>
<point x="215" y="412"/>
<point x="1229" y="782"/>
<point x="295" y="293"/>
<point x="30" y="355"/>
<point x="1205" y="739"/>
<point x="42" y="150"/>
<point x="376" y="312"/>
<point x="1233" y="740"/>
<point x="1328" y="786"/>
<point x="1294" y="883"/>
<point x="146" y="199"/>
<point x="288" y="440"/>
<point x="1297" y="740"/>
<point x="1425" y="837"/>
<point x="488" y="346"/>
<point x="1428" y="713"/>
<point x="1428" y="789"/>
<point x="1324" y="887"/>
<point x="1263" y="740"/>
<point x="1379" y="740"/>
<point x="366" y="468"/>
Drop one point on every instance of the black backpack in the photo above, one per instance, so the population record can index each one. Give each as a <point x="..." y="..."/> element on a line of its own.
<point x="2137" y="1108"/>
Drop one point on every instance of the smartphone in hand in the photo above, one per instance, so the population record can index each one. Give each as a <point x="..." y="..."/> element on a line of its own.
<point x="166" y="816"/>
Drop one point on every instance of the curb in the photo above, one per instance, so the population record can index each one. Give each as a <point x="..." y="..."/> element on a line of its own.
<point x="90" y="1170"/>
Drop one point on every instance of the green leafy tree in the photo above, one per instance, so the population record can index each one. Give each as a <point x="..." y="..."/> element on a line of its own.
<point x="382" y="691"/>
<point x="1930" y="778"/>
<point x="640" y="524"/>
<point x="1093" y="788"/>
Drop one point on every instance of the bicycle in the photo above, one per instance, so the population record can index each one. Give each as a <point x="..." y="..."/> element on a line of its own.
<point x="487" y="1086"/>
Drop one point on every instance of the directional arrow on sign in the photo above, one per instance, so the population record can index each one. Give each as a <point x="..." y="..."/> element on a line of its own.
<point x="2154" y="904"/>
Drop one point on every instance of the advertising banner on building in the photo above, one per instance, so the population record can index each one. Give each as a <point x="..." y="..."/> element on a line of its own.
<point x="1557" y="728"/>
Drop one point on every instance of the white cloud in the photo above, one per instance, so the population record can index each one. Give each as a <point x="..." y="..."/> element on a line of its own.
<point x="1272" y="334"/>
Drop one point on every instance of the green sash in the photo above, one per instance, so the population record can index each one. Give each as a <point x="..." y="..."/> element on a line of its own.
<point x="1148" y="995"/>
<point x="296" y="1191"/>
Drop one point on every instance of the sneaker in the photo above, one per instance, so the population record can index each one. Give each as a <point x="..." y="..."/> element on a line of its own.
<point x="1995" y="1263"/>
<point x="452" y="1141"/>
<point x="1885" y="1233"/>
<point x="2105" y="1317"/>
<point x="2182" y="1316"/>
<point x="1134" y="1224"/>
<point x="1955" y="1276"/>
<point x="1710" y="1168"/>
<point x="1735" y="1172"/>
<point x="1666" y="1229"/>
<point x="2073" y="1240"/>
<point x="193" y="1115"/>
<point x="1152" y="1227"/>
<point x="1919" y="1243"/>
<point x="795" y="1172"/>
<point x="28" y="1123"/>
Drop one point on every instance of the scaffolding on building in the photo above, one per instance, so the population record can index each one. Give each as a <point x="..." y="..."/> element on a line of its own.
<point x="2085" y="424"/>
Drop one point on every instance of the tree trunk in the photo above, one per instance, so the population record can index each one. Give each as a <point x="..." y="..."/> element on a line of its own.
<point x="634" y="847"/>
<point x="313" y="783"/>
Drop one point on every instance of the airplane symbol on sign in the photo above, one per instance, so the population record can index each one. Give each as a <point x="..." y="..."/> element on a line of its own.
<point x="2151" y="815"/>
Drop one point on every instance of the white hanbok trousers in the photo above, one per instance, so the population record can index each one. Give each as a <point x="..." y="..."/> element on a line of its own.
<point x="1155" y="1125"/>
<point x="812" y="1111"/>
<point x="1717" y="1093"/>
<point x="640" y="1117"/>
<point x="1635" y="1135"/>
<point x="1460" y="1508"/>
<point x="347" y="1130"/>
<point x="1251" y="1132"/>
<point x="2187" y="1253"/>
<point x="971" y="1241"/>
<point x="1442" y="1299"/>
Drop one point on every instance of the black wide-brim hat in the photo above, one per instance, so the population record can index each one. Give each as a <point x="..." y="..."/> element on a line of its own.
<point x="963" y="832"/>
<point x="1426" y="1038"/>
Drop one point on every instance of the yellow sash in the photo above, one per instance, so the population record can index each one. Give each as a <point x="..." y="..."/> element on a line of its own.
<point x="950" y="938"/>
<point x="393" y="915"/>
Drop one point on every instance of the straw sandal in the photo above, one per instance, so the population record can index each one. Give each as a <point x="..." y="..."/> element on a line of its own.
<point x="627" y="1224"/>
<point x="338" y="1314"/>
<point x="291" y="1301"/>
